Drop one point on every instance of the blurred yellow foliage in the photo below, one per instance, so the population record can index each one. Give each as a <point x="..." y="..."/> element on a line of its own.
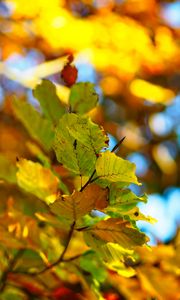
<point x="151" y="92"/>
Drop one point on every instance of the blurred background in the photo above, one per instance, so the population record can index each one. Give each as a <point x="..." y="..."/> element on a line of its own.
<point x="131" y="51"/>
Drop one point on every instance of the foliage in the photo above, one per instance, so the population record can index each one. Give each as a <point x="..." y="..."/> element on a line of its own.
<point x="81" y="230"/>
<point x="68" y="219"/>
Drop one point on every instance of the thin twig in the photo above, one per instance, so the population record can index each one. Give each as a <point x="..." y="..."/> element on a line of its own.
<point x="118" y="145"/>
<point x="72" y="258"/>
<point x="88" y="182"/>
<point x="9" y="269"/>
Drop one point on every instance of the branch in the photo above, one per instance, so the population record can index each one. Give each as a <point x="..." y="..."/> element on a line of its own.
<point x="118" y="144"/>
<point x="9" y="269"/>
<point x="72" y="258"/>
<point x="88" y="182"/>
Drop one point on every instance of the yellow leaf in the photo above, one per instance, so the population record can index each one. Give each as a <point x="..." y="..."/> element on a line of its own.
<point x="36" y="179"/>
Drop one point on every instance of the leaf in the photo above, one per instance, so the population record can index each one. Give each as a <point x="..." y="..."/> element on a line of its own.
<point x="36" y="179"/>
<point x="79" y="204"/>
<point x="50" y="103"/>
<point x="8" y="240"/>
<point x="112" y="168"/>
<point x="83" y="97"/>
<point x="115" y="231"/>
<point x="91" y="262"/>
<point x="87" y="132"/>
<point x="39" y="128"/>
<point x="159" y="284"/>
<point x="76" y="143"/>
<point x="135" y="215"/>
<point x="119" y="259"/>
<point x="124" y="199"/>
<point x="14" y="293"/>
<point x="29" y="261"/>
<point x="7" y="170"/>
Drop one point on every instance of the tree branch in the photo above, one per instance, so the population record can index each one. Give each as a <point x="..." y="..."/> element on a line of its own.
<point x="118" y="145"/>
<point x="9" y="269"/>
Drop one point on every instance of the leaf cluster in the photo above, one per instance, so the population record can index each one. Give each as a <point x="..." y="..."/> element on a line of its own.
<point x="84" y="215"/>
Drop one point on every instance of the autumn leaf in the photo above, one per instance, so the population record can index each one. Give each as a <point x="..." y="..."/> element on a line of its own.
<point x="124" y="199"/>
<point x="76" y="143"/>
<point x="115" y="230"/>
<point x="38" y="127"/>
<point x="35" y="179"/>
<point x="119" y="259"/>
<point x="50" y="103"/>
<point x="158" y="283"/>
<point x="112" y="168"/>
<point x="83" y="97"/>
<point x="79" y="204"/>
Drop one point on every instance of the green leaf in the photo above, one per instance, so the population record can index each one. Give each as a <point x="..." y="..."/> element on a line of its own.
<point x="50" y="103"/>
<point x="124" y="199"/>
<point x="79" y="204"/>
<point x="123" y="204"/>
<point x="112" y="168"/>
<point x="115" y="230"/>
<point x="91" y="262"/>
<point x="7" y="170"/>
<point x="83" y="97"/>
<point x="77" y="143"/>
<point x="36" y="179"/>
<point x="13" y="293"/>
<point x="39" y="128"/>
<point x="29" y="261"/>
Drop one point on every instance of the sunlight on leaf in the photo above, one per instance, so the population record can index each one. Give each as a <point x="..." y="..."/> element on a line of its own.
<point x="76" y="144"/>
<point x="115" y="169"/>
<point x="36" y="179"/>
